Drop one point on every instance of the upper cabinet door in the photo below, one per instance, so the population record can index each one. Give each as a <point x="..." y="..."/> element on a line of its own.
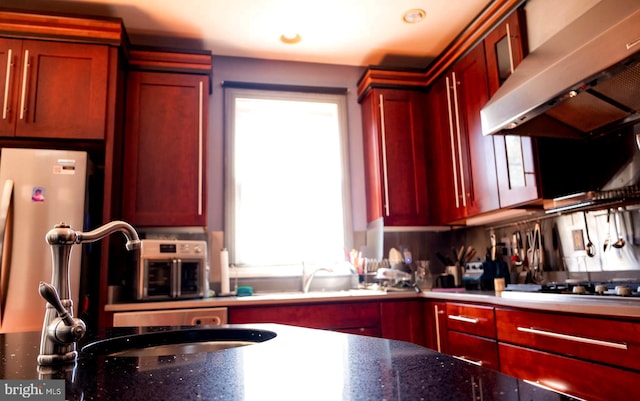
<point x="164" y="154"/>
<point x="505" y="48"/>
<point x="472" y="94"/>
<point x="395" y="157"/>
<point x="10" y="59"/>
<point x="448" y="183"/>
<point x="53" y="90"/>
<point x="461" y="157"/>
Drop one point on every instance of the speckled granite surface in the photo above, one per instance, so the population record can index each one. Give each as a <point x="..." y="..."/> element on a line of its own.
<point x="298" y="364"/>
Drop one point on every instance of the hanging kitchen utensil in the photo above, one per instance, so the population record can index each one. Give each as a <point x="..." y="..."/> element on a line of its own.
<point x="493" y="246"/>
<point x="607" y="239"/>
<point x="520" y="245"/>
<point x="633" y="232"/>
<point x="539" y="247"/>
<point x="530" y="249"/>
<point x="591" y="249"/>
<point x="620" y="242"/>
<point x="535" y="250"/>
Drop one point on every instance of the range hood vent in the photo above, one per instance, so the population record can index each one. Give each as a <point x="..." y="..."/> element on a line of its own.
<point x="583" y="82"/>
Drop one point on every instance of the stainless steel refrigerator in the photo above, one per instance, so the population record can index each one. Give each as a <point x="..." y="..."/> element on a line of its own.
<point x="40" y="188"/>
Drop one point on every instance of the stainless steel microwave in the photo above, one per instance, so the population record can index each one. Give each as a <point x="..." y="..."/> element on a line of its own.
<point x="171" y="269"/>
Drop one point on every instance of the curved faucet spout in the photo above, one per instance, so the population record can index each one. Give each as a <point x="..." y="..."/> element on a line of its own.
<point x="306" y="281"/>
<point x="133" y="241"/>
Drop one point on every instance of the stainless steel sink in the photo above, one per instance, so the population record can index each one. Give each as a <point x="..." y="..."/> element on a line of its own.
<point x="178" y="342"/>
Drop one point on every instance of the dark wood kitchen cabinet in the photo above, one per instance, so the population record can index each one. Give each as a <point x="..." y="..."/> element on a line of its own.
<point x="403" y="321"/>
<point x="165" y="149"/>
<point x="355" y="318"/>
<point x="588" y="357"/>
<point x="53" y="89"/>
<point x="395" y="156"/>
<point x="465" y="184"/>
<point x="471" y="334"/>
<point x="575" y="377"/>
<point x="505" y="47"/>
<point x="463" y="330"/>
<point x="435" y="325"/>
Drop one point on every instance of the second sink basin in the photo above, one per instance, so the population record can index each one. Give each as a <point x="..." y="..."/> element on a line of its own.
<point x="176" y="342"/>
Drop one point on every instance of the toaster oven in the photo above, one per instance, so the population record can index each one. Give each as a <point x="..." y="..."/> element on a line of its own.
<point x="171" y="269"/>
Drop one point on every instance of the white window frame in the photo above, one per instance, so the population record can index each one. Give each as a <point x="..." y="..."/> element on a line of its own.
<point x="231" y="93"/>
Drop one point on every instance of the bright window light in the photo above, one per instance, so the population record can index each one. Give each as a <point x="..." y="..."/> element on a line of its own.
<point x="288" y="190"/>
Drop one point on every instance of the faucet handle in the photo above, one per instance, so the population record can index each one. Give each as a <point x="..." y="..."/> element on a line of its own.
<point x="71" y="329"/>
<point x="49" y="293"/>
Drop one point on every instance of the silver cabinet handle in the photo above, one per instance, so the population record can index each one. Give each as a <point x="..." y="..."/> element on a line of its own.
<point x="476" y="389"/>
<point x="463" y="319"/>
<point x="452" y="140"/>
<point x="385" y="176"/>
<point x="510" y="47"/>
<point x="7" y="80"/>
<point x="25" y="71"/>
<point x="200" y="145"/>
<point x="584" y="340"/>
<point x="458" y="138"/>
<point x="633" y="43"/>
<point x="471" y="361"/>
<point x="438" y="341"/>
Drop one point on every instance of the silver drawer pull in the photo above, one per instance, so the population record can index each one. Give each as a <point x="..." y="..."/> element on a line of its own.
<point x="463" y="319"/>
<point x="23" y="96"/>
<point x="633" y="44"/>
<point x="385" y="170"/>
<point x="584" y="340"/>
<point x="462" y="358"/>
<point x="7" y="82"/>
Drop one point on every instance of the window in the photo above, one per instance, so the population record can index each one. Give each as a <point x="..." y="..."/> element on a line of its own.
<point x="287" y="184"/>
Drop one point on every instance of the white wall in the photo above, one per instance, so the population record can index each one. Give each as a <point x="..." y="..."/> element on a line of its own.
<point x="281" y="73"/>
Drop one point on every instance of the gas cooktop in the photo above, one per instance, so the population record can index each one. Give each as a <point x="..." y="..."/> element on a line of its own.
<point x="615" y="288"/>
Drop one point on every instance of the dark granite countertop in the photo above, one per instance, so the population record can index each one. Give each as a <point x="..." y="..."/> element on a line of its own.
<point x="603" y="306"/>
<point x="298" y="364"/>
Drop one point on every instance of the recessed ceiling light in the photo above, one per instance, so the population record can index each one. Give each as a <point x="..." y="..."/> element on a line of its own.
<point x="290" y="39"/>
<point x="414" y="15"/>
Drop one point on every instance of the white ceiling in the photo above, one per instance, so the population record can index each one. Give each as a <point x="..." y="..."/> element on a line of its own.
<point x="349" y="32"/>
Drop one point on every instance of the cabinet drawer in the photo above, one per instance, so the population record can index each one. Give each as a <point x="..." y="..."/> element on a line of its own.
<point x="318" y="316"/>
<point x="171" y="317"/>
<point x="612" y="342"/>
<point x="477" y="350"/>
<point x="471" y="319"/>
<point x="568" y="375"/>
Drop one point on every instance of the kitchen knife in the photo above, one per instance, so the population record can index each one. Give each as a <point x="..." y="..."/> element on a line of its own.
<point x="445" y="261"/>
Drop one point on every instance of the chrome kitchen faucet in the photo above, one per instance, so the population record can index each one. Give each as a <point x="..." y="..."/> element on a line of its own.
<point x="60" y="329"/>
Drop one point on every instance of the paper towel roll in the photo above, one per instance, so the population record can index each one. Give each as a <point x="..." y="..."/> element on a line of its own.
<point x="224" y="271"/>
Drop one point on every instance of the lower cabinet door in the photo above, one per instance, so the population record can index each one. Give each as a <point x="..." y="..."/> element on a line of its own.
<point x="473" y="349"/>
<point x="402" y="321"/>
<point x="358" y="317"/>
<point x="574" y="377"/>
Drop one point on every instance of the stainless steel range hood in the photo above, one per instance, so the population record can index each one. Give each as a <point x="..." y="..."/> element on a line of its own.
<point x="582" y="82"/>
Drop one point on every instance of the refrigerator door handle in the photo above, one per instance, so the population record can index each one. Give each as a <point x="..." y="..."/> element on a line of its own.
<point x="6" y="224"/>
